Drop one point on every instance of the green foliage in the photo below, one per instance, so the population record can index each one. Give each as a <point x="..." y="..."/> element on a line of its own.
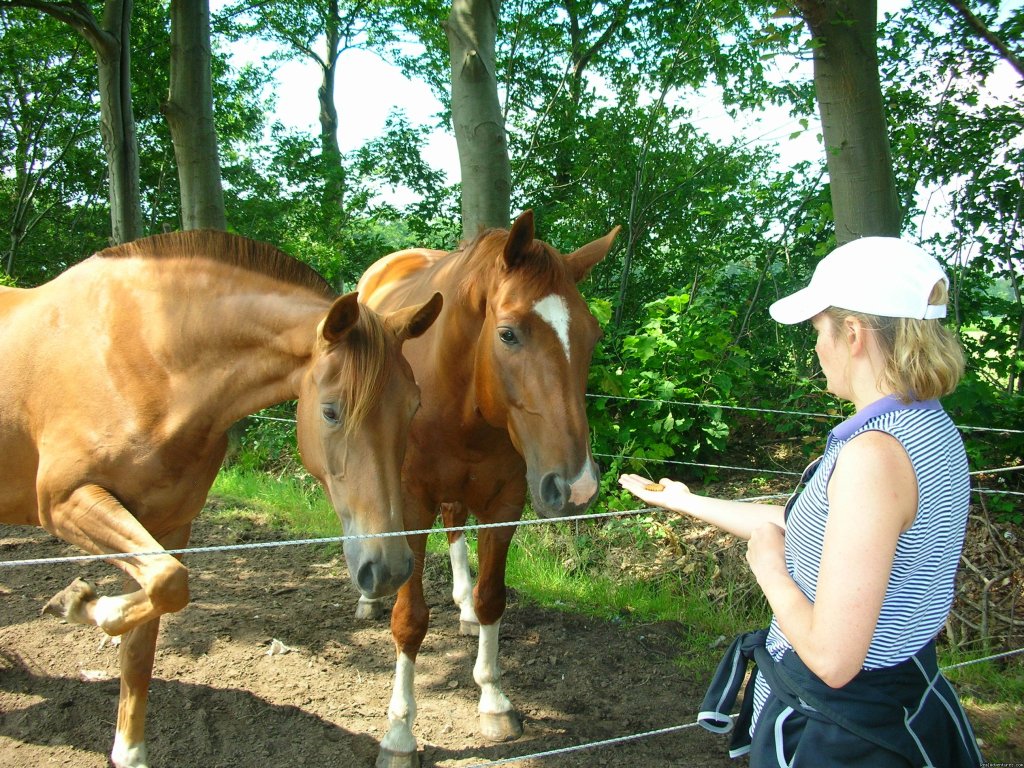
<point x="52" y="194"/>
<point x="266" y="442"/>
<point x="666" y="382"/>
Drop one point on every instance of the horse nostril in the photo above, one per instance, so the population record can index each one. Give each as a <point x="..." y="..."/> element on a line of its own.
<point x="375" y="578"/>
<point x="371" y="576"/>
<point x="554" y="491"/>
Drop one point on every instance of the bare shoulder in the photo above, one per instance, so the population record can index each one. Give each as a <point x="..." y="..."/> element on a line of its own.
<point x="874" y="467"/>
<point x="877" y="450"/>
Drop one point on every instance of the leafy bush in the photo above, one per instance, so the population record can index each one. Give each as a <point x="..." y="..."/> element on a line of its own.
<point x="657" y="392"/>
<point x="266" y="442"/>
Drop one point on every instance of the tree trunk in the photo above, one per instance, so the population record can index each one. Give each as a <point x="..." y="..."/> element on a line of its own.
<point x="189" y="113"/>
<point x="330" y="150"/>
<point x="111" y="42"/>
<point x="849" y="94"/>
<point x="476" y="116"/>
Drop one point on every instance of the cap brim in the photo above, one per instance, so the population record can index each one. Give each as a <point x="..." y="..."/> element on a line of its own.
<point x="797" y="307"/>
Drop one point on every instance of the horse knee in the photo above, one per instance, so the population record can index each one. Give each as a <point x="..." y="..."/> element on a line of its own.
<point x="409" y="626"/>
<point x="170" y="591"/>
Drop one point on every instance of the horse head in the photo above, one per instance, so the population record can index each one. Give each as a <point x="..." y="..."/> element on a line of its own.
<point x="356" y="402"/>
<point x="532" y="362"/>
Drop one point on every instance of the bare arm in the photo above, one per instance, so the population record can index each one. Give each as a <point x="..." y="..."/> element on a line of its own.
<point x="872" y="498"/>
<point x="736" y="517"/>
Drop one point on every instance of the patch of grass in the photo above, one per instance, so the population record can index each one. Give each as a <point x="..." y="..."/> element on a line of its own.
<point x="992" y="692"/>
<point x="293" y="504"/>
<point x="999" y="679"/>
<point x="997" y="724"/>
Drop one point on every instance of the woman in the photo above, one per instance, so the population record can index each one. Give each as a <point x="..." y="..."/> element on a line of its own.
<point x="859" y="566"/>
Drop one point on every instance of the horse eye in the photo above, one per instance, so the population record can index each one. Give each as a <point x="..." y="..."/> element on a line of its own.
<point x="330" y="414"/>
<point x="507" y="335"/>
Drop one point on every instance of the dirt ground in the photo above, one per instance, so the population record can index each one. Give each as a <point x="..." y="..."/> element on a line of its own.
<point x="219" y="698"/>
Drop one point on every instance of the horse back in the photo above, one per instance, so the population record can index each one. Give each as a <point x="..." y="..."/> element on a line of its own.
<point x="391" y="281"/>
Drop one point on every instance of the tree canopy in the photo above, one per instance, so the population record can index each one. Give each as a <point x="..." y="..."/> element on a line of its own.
<point x="604" y="108"/>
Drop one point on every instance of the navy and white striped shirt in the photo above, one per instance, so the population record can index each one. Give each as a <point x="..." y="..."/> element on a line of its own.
<point x="920" y="589"/>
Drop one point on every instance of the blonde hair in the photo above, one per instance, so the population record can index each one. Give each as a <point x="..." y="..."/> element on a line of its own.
<point x="923" y="358"/>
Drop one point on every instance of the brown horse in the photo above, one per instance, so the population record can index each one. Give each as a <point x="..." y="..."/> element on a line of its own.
<point x="120" y="379"/>
<point x="503" y="375"/>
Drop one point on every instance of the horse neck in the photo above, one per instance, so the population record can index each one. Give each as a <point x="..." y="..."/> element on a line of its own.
<point x="256" y="358"/>
<point x="455" y="338"/>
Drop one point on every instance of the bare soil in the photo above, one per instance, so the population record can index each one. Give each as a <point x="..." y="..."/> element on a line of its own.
<point x="221" y="698"/>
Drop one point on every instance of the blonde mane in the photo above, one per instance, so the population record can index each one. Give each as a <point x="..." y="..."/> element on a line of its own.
<point x="363" y="370"/>
<point x="364" y="366"/>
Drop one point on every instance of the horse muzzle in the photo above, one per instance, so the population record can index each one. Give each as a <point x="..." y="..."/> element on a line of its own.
<point x="554" y="495"/>
<point x="378" y="567"/>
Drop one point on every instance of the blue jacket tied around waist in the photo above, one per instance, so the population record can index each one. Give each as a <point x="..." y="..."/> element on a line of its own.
<point x="905" y="716"/>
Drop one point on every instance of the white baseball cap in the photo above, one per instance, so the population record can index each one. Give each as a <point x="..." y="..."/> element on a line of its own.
<point x="882" y="276"/>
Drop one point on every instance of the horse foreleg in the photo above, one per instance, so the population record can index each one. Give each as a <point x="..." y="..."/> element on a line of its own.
<point x="95" y="521"/>
<point x="455" y="515"/>
<point x="498" y="718"/>
<point x="138" y="649"/>
<point x="409" y="620"/>
<point x="398" y="748"/>
<point x="368" y="609"/>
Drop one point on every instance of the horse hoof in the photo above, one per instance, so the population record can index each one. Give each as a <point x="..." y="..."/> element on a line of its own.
<point x="388" y="759"/>
<point x="500" y="726"/>
<point x="369" y="611"/>
<point x="67" y="604"/>
<point x="471" y="628"/>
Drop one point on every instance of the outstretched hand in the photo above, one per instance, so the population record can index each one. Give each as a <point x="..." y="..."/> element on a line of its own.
<point x="663" y="493"/>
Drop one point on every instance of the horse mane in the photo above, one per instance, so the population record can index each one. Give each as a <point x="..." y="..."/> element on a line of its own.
<point x="225" y="248"/>
<point x="543" y="270"/>
<point x="363" y="371"/>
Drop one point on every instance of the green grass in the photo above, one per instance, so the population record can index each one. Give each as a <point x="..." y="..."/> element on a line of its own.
<point x="297" y="505"/>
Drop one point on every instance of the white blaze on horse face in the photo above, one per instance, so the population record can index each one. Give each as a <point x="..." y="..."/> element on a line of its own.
<point x="554" y="310"/>
<point x="583" y="487"/>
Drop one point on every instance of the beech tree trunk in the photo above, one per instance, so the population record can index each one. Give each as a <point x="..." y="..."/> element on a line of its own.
<point x="476" y="116"/>
<point x="112" y="44"/>
<point x="849" y="95"/>
<point x="330" y="149"/>
<point x="189" y="113"/>
<point x="111" y="41"/>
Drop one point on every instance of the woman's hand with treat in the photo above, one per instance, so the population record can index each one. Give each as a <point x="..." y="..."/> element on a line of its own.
<point x="663" y="493"/>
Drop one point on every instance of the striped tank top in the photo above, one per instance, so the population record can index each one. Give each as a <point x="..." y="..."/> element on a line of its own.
<point x="920" y="589"/>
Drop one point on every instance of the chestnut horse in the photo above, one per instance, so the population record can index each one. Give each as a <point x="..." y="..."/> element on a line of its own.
<point x="503" y="375"/>
<point x="120" y="379"/>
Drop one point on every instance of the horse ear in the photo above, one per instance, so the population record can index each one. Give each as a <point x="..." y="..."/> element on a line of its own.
<point x="413" y="321"/>
<point x="520" y="237"/>
<point x="341" y="318"/>
<point x="582" y="260"/>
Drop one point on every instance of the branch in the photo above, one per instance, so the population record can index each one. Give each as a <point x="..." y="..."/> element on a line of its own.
<point x="981" y="30"/>
<point x="75" y="13"/>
